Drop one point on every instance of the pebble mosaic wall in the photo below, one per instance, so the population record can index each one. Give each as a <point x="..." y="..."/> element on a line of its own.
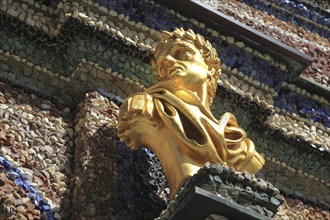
<point x="304" y="187"/>
<point x="110" y="179"/>
<point x="142" y="186"/>
<point x="305" y="107"/>
<point x="294" y="13"/>
<point x="147" y="70"/>
<point x="67" y="90"/>
<point x="139" y="173"/>
<point x="14" y="175"/>
<point x="106" y="46"/>
<point x="307" y="11"/>
<point x="295" y="36"/>
<point x="320" y="5"/>
<point x="36" y="139"/>
<point x="96" y="173"/>
<point x="295" y="209"/>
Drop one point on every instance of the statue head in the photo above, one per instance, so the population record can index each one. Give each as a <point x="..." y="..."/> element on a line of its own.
<point x="188" y="59"/>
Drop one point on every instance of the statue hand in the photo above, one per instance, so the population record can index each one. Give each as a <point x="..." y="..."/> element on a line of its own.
<point x="137" y="105"/>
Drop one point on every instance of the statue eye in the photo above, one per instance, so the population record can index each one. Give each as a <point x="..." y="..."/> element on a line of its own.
<point x="177" y="54"/>
<point x="186" y="55"/>
<point x="183" y="55"/>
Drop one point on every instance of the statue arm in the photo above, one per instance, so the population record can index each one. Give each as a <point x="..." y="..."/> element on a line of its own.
<point x="137" y="119"/>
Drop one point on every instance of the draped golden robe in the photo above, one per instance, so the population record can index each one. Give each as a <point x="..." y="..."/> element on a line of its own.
<point x="184" y="135"/>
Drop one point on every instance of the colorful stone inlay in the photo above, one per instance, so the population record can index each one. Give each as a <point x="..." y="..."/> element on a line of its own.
<point x="288" y="16"/>
<point x="305" y="107"/>
<point x="15" y="175"/>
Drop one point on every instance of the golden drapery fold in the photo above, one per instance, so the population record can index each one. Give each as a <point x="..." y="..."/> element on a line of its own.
<point x="184" y="135"/>
<point x="203" y="138"/>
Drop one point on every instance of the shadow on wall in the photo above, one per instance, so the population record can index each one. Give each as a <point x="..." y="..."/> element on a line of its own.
<point x="95" y="193"/>
<point x="142" y="187"/>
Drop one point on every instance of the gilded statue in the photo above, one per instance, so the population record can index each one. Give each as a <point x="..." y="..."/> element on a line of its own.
<point x="173" y="117"/>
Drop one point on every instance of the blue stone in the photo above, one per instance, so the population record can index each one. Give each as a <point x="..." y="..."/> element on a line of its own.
<point x="32" y="196"/>
<point x="35" y="202"/>
<point x="103" y="2"/>
<point x="16" y="170"/>
<point x="47" y="216"/>
<point x="18" y="182"/>
<point x="32" y="190"/>
<point x="12" y="175"/>
<point x="6" y="164"/>
<point x="38" y="198"/>
<point x="45" y="208"/>
<point x="26" y="185"/>
<point x="327" y="123"/>
<point x="42" y="202"/>
<point x="2" y="159"/>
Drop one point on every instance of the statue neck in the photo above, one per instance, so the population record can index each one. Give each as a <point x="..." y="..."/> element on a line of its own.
<point x="203" y="96"/>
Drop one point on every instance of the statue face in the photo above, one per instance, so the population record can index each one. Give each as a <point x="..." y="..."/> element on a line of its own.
<point x="181" y="62"/>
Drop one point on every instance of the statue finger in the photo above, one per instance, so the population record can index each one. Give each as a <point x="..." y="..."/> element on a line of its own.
<point x="125" y="109"/>
<point x="149" y="106"/>
<point x="137" y="103"/>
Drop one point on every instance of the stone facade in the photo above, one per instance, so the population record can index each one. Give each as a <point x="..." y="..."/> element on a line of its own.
<point x="66" y="66"/>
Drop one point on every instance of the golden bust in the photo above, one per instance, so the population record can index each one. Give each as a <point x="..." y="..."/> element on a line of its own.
<point x="173" y="117"/>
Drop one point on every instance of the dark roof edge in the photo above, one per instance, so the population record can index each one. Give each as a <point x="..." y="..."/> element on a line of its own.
<point x="208" y="15"/>
<point x="313" y="87"/>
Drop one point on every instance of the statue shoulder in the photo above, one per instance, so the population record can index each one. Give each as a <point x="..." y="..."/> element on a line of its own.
<point x="138" y="104"/>
<point x="137" y="120"/>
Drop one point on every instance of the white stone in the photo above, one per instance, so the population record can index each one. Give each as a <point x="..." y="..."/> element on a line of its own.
<point x="266" y="57"/>
<point x="244" y="87"/>
<point x="283" y="67"/>
<point x="103" y="9"/>
<point x="121" y="16"/>
<point x="256" y="83"/>
<point x="12" y="12"/>
<point x="99" y="24"/>
<point x="138" y="25"/>
<point x="240" y="44"/>
<point x="30" y="22"/>
<point x="141" y="36"/>
<point x="57" y="216"/>
<point x="17" y="58"/>
<point x="108" y="70"/>
<point x="249" y="49"/>
<point x="230" y="40"/>
<point x="252" y="90"/>
<point x="291" y="86"/>
<point x="144" y="28"/>
<point x="24" y="6"/>
<point x="22" y="16"/>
